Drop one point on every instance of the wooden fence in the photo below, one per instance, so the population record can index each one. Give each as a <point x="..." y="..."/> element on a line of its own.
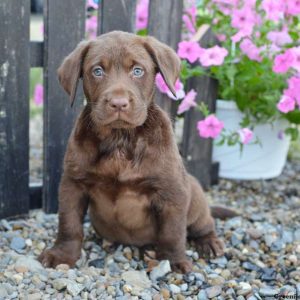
<point x="64" y="27"/>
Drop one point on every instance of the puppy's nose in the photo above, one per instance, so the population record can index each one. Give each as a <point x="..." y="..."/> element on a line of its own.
<point x="119" y="103"/>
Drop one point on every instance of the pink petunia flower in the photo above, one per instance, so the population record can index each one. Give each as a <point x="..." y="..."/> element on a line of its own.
<point x="293" y="90"/>
<point x="245" y="32"/>
<point x="210" y="127"/>
<point x="142" y="14"/>
<point x="189" y="50"/>
<point x="286" y="104"/>
<point x="279" y="38"/>
<point x="188" y="102"/>
<point x="274" y="9"/>
<point x="91" y="26"/>
<point x="296" y="53"/>
<point x="283" y="62"/>
<point x="162" y="86"/>
<point x="213" y="56"/>
<point x="221" y="37"/>
<point x="293" y="7"/>
<point x="246" y="135"/>
<point x="38" y="94"/>
<point x="250" y="50"/>
<point x="188" y="24"/>
<point x="226" y="6"/>
<point x="243" y="18"/>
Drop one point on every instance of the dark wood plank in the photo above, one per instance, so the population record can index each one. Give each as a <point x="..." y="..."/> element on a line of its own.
<point x="166" y="27"/>
<point x="35" y="196"/>
<point x="64" y="28"/>
<point x="198" y="151"/>
<point x="14" y="107"/>
<point x="116" y="15"/>
<point x="36" y="54"/>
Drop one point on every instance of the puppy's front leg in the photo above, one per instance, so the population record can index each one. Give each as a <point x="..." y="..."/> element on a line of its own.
<point x="73" y="204"/>
<point x="171" y="240"/>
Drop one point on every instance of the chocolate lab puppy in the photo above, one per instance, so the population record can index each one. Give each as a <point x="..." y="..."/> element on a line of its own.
<point x="122" y="162"/>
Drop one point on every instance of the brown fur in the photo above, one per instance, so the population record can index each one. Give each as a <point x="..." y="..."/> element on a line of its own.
<point x="125" y="166"/>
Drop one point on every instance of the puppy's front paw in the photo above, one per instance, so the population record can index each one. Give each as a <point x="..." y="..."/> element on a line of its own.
<point x="210" y="246"/>
<point x="57" y="255"/>
<point x="184" y="266"/>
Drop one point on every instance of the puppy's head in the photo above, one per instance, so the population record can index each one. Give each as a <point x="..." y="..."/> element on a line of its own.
<point x="118" y="71"/>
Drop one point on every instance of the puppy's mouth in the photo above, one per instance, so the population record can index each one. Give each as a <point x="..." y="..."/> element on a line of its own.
<point x="119" y="120"/>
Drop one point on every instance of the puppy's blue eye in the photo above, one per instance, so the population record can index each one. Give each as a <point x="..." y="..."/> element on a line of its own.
<point x="98" y="71"/>
<point x="138" y="72"/>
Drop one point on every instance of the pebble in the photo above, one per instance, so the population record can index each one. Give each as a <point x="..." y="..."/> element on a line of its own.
<point x="244" y="288"/>
<point x="261" y="257"/>
<point x="268" y="292"/>
<point x="174" y="289"/>
<point x="97" y="263"/>
<point x="3" y="292"/>
<point x="202" y="295"/>
<point x="137" y="278"/>
<point x="29" y="263"/>
<point x="17" y="243"/>
<point x="161" y="270"/>
<point x="213" y="291"/>
<point x="165" y="293"/>
<point x="214" y="279"/>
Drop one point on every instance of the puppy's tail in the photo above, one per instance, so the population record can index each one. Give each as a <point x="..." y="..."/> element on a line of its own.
<point x="222" y="213"/>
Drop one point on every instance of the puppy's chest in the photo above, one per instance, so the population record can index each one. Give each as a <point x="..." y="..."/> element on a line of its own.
<point x="118" y="166"/>
<point x="127" y="209"/>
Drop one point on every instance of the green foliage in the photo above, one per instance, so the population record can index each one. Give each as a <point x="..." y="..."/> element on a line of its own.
<point x="189" y="71"/>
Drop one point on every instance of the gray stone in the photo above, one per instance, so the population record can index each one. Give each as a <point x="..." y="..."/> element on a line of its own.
<point x="230" y="292"/>
<point x="114" y="268"/>
<point x="268" y="292"/>
<point x="120" y="258"/>
<point x="174" y="288"/>
<point x="30" y="263"/>
<point x="234" y="223"/>
<point x="97" y="263"/>
<point x="277" y="245"/>
<point x="137" y="278"/>
<point x="250" y="266"/>
<point x="3" y="291"/>
<point x="287" y="236"/>
<point x="244" y="288"/>
<point x="34" y="296"/>
<point x="161" y="270"/>
<point x="17" y="243"/>
<point x="74" y="288"/>
<point x="297" y="235"/>
<point x="235" y="239"/>
<point x="220" y="261"/>
<point x="199" y="277"/>
<point x="214" y="279"/>
<point x="60" y="283"/>
<point x="270" y="239"/>
<point x="202" y="295"/>
<point x="213" y="291"/>
<point x="184" y="287"/>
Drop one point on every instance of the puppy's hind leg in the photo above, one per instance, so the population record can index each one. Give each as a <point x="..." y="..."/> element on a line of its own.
<point x="201" y="226"/>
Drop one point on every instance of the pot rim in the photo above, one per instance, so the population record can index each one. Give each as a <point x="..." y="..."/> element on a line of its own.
<point x="226" y="104"/>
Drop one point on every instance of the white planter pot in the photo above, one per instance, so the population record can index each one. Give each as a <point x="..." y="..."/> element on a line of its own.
<point x="256" y="161"/>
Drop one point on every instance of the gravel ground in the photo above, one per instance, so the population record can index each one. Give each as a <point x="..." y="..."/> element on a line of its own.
<point x="261" y="258"/>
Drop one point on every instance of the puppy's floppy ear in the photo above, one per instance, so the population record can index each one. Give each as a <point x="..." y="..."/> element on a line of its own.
<point x="71" y="69"/>
<point x="166" y="60"/>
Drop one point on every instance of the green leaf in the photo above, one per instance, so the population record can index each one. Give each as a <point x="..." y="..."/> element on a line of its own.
<point x="294" y="116"/>
<point x="293" y="132"/>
